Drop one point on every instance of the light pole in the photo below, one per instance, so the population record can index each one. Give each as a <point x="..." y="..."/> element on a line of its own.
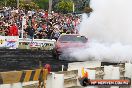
<point x="5" y="3"/>
<point x="17" y="3"/>
<point x="73" y="7"/>
<point x="50" y="6"/>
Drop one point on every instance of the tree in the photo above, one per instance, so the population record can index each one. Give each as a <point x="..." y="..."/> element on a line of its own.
<point x="29" y="5"/>
<point x="22" y="4"/>
<point x="43" y="4"/>
<point x="64" y="6"/>
<point x="82" y="6"/>
<point x="87" y="9"/>
<point x="11" y="3"/>
<point x="2" y="3"/>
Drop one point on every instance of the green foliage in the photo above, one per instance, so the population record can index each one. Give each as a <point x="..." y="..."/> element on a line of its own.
<point x="2" y="3"/>
<point x="64" y="6"/>
<point x="34" y="4"/>
<point x="43" y="4"/>
<point x="82" y="6"/>
<point x="28" y="6"/>
<point x="87" y="10"/>
<point x="11" y="3"/>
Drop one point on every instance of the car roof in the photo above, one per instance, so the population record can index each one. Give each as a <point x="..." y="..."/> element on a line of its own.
<point x="69" y="34"/>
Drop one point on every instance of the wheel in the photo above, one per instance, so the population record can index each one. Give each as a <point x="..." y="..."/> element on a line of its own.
<point x="54" y="54"/>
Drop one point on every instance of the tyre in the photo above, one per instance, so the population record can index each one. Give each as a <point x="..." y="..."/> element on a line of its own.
<point x="54" y="54"/>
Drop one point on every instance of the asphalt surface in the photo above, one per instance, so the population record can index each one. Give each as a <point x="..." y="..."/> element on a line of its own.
<point x="23" y="59"/>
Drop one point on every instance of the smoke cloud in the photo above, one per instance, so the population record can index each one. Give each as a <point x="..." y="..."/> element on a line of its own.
<point x="109" y="30"/>
<point x="110" y="21"/>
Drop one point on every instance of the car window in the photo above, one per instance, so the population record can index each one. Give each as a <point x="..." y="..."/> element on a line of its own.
<point x="72" y="38"/>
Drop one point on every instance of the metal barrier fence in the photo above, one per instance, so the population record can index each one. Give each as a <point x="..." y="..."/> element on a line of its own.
<point x="43" y="44"/>
<point x="14" y="42"/>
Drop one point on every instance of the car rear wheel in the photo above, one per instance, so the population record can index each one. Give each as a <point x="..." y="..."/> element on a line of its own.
<point x="54" y="54"/>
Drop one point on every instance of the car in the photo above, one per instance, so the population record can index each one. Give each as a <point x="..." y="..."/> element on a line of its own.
<point x="66" y="41"/>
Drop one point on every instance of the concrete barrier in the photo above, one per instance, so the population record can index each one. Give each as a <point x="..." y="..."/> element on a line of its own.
<point x="58" y="81"/>
<point x="80" y="65"/>
<point x="63" y="79"/>
<point x="16" y="85"/>
<point x="14" y="79"/>
<point x="128" y="71"/>
<point x="70" y="78"/>
<point x="55" y="81"/>
<point x="5" y="86"/>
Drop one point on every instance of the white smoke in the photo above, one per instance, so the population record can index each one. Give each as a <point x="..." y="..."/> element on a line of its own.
<point x="110" y="21"/>
<point x="95" y="50"/>
<point x="110" y="24"/>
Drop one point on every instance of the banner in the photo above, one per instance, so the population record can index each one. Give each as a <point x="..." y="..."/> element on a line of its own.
<point x="2" y="41"/>
<point x="10" y="42"/>
<point x="48" y="44"/>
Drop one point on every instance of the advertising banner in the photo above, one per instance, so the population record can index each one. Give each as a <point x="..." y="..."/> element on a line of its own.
<point x="10" y="42"/>
<point x="39" y="43"/>
<point x="2" y="41"/>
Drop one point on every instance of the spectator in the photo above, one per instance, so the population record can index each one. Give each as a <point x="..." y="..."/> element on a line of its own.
<point x="30" y="32"/>
<point x="38" y="24"/>
<point x="13" y="30"/>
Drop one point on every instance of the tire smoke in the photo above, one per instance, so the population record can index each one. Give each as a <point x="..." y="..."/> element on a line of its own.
<point x="109" y="30"/>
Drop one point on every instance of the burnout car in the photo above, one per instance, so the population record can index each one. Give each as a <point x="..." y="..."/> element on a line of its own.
<point x="66" y="41"/>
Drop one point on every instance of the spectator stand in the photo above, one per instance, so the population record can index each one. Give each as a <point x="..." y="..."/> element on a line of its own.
<point x="36" y="30"/>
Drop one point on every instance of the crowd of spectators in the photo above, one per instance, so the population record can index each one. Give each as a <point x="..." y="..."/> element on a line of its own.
<point x="37" y="24"/>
